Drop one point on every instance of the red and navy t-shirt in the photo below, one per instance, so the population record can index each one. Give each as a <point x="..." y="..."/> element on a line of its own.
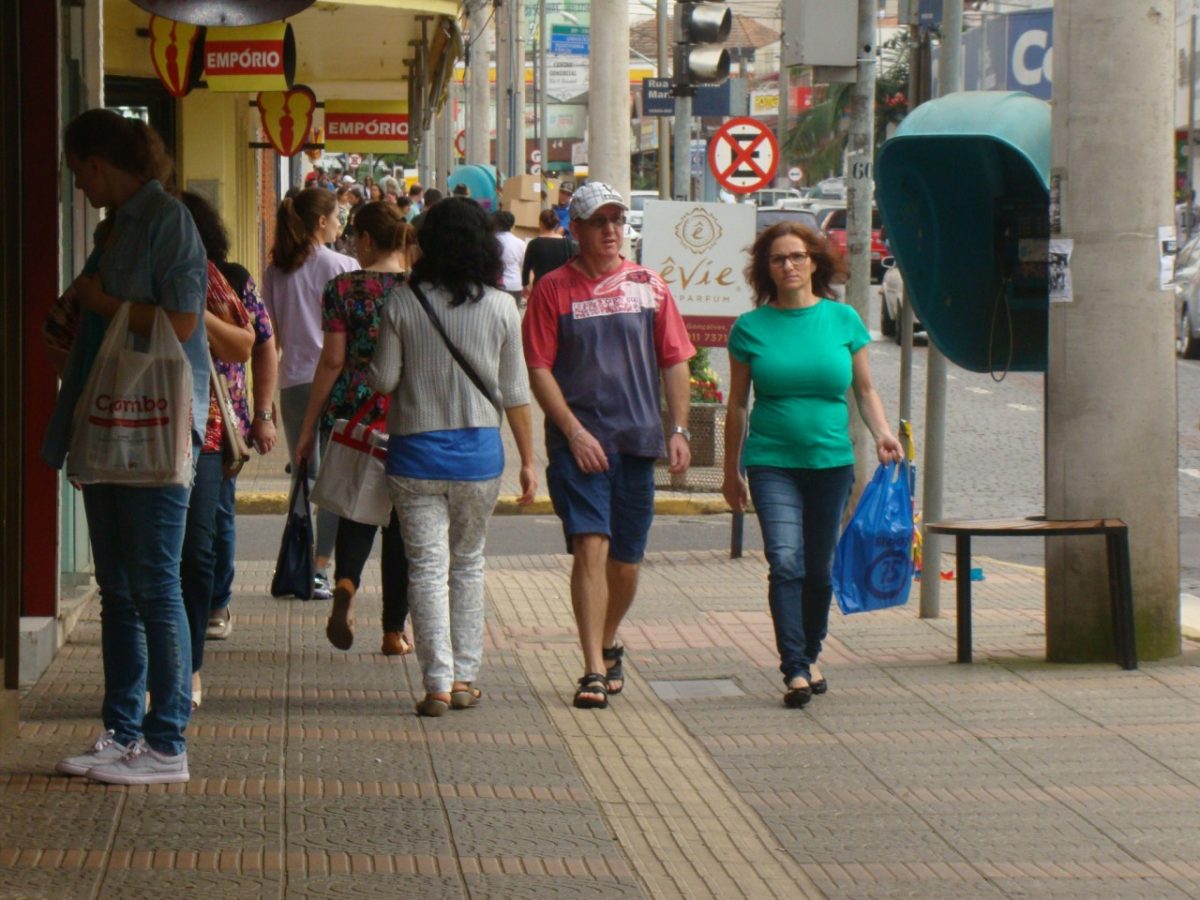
<point x="604" y="340"/>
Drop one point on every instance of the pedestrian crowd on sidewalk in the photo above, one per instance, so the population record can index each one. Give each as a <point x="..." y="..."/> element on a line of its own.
<point x="408" y="358"/>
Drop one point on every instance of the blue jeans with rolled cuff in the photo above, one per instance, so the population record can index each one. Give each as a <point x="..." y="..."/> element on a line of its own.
<point x="137" y="544"/>
<point x="799" y="512"/>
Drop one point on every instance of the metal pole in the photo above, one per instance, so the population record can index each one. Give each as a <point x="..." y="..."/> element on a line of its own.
<point x="681" y="168"/>
<point x="502" y="85"/>
<point x="917" y="66"/>
<point x="543" y="138"/>
<point x="664" y="127"/>
<point x="1190" y="184"/>
<point x="950" y="80"/>
<point x="520" y="154"/>
<point x="781" y="126"/>
<point x="860" y="191"/>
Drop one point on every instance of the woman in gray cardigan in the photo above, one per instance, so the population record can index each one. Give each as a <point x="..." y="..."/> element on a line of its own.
<point x="445" y="456"/>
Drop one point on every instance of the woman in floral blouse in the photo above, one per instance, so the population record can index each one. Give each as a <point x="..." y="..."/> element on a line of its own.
<point x="352" y="305"/>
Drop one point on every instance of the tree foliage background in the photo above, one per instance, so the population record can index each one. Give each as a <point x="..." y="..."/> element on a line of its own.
<point x="817" y="140"/>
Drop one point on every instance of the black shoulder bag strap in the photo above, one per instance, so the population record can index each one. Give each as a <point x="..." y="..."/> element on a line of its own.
<point x="454" y="351"/>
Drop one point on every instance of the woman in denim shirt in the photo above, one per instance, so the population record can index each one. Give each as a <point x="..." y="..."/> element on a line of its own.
<point x="150" y="256"/>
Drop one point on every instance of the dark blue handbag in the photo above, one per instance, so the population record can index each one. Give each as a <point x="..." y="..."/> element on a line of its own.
<point x="873" y="563"/>
<point x="294" y="569"/>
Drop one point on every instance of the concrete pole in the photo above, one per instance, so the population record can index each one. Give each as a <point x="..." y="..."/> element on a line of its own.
<point x="664" y="125"/>
<point x="781" y="126"/>
<point x="1111" y="429"/>
<point x="479" y="144"/>
<point x="520" y="158"/>
<point x="502" y="87"/>
<point x="949" y="81"/>
<point x="608" y="100"/>
<point x="860" y="191"/>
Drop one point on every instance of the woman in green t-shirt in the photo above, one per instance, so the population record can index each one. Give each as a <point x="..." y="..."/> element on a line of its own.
<point x="801" y="352"/>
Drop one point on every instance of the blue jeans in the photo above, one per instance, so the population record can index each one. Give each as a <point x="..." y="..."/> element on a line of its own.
<point x="198" y="566"/>
<point x="799" y="512"/>
<point x="137" y="542"/>
<point x="226" y="546"/>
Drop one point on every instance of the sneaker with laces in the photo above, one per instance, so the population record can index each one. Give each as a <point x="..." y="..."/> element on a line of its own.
<point x="142" y="765"/>
<point x="321" y="589"/>
<point x="105" y="750"/>
<point x="220" y="625"/>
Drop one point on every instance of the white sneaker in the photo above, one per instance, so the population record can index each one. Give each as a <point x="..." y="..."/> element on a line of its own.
<point x="142" y="765"/>
<point x="106" y="750"/>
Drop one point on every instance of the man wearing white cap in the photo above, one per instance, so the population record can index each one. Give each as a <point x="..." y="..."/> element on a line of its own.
<point x="597" y="333"/>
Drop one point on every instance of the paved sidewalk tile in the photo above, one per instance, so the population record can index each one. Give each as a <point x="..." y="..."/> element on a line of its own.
<point x="912" y="777"/>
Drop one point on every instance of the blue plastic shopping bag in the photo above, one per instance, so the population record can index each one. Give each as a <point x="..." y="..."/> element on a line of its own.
<point x="873" y="564"/>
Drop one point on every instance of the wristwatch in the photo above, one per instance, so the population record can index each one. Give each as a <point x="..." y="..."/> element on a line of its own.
<point x="264" y="415"/>
<point x="679" y="429"/>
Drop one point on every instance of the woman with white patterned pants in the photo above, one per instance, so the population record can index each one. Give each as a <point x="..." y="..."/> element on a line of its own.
<point x="445" y="456"/>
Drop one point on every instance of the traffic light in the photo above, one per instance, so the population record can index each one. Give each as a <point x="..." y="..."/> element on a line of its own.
<point x="698" y="26"/>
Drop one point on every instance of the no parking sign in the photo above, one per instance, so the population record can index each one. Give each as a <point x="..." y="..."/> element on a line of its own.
<point x="743" y="155"/>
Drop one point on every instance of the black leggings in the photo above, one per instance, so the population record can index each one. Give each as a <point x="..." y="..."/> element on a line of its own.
<point x="353" y="547"/>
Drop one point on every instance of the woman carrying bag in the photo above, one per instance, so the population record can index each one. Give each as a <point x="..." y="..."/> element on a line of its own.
<point x="352" y="306"/>
<point x="152" y="261"/>
<point x="445" y="456"/>
<point x="300" y="267"/>
<point x="230" y="340"/>
<point x="801" y="352"/>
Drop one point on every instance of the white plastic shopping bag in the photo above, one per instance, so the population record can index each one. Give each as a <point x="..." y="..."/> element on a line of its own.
<point x="133" y="420"/>
<point x="352" y="481"/>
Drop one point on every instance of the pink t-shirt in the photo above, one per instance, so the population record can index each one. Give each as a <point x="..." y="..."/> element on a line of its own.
<point x="293" y="301"/>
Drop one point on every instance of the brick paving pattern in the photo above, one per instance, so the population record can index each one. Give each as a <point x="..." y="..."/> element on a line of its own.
<point x="912" y="777"/>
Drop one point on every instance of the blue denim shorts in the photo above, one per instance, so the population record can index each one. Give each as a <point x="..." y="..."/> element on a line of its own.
<point x="618" y="503"/>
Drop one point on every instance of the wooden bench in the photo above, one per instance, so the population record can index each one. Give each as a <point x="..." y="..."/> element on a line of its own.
<point x="1120" y="581"/>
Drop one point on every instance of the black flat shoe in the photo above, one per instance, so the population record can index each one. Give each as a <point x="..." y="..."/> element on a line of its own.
<point x="819" y="687"/>
<point x="798" y="697"/>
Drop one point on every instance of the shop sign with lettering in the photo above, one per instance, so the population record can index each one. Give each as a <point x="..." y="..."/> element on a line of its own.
<point x="258" y="58"/>
<point x="700" y="251"/>
<point x="366" y="126"/>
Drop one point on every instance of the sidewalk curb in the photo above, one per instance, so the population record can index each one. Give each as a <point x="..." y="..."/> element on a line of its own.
<point x="275" y="503"/>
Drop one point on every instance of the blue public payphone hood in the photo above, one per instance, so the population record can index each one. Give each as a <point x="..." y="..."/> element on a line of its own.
<point x="963" y="189"/>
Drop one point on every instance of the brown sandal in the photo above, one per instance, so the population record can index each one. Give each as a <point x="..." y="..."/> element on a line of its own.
<point x="432" y="706"/>
<point x="466" y="698"/>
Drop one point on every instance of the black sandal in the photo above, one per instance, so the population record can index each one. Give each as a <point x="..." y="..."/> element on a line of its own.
<point x="614" y="656"/>
<point x="592" y="683"/>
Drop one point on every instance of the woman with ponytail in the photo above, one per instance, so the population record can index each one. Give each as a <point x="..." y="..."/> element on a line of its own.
<point x="351" y="306"/>
<point x="301" y="265"/>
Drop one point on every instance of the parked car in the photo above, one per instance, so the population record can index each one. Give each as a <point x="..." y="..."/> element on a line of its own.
<point x="893" y="301"/>
<point x="834" y="225"/>
<point x="766" y="216"/>
<point x="1187" y="299"/>
<point x="773" y="196"/>
<point x="637" y="208"/>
